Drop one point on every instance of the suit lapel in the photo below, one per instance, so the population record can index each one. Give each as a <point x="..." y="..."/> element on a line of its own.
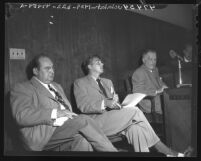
<point x="41" y="88"/>
<point x="154" y="80"/>
<point x="93" y="84"/>
<point x="107" y="87"/>
<point x="45" y="92"/>
<point x="151" y="77"/>
<point x="62" y="95"/>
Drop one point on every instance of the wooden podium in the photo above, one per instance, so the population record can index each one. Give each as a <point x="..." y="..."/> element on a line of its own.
<point x="178" y="118"/>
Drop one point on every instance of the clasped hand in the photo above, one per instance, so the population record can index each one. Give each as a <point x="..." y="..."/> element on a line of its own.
<point x="65" y="113"/>
<point x="113" y="103"/>
<point x="159" y="91"/>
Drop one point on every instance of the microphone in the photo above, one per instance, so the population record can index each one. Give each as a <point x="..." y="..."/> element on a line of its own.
<point x="173" y="54"/>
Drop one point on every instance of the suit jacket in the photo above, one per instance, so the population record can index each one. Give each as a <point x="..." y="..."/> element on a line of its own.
<point x="32" y="105"/>
<point x="144" y="81"/>
<point x="89" y="100"/>
<point x="87" y="86"/>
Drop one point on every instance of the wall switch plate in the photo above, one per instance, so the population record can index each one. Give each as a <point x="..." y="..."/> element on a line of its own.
<point x="17" y="53"/>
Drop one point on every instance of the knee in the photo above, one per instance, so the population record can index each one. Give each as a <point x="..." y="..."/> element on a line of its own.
<point x="131" y="129"/>
<point x="81" y="144"/>
<point x="85" y="117"/>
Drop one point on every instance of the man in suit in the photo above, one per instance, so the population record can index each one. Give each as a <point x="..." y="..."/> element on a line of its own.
<point x="146" y="79"/>
<point x="180" y="62"/>
<point x="96" y="97"/>
<point x="45" y="116"/>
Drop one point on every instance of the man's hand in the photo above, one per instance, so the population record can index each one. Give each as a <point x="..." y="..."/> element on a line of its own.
<point x="112" y="104"/>
<point x="159" y="91"/>
<point x="164" y="87"/>
<point x="116" y="97"/>
<point x="65" y="113"/>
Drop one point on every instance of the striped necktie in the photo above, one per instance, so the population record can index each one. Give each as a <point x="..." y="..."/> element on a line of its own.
<point x="101" y="87"/>
<point x="58" y="97"/>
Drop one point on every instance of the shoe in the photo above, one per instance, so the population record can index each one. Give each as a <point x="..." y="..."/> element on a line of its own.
<point x="122" y="150"/>
<point x="178" y="155"/>
<point x="188" y="152"/>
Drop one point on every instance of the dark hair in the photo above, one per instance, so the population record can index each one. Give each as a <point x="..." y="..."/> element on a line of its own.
<point x="88" y="61"/>
<point x="144" y="52"/>
<point x="34" y="63"/>
<point x="187" y="44"/>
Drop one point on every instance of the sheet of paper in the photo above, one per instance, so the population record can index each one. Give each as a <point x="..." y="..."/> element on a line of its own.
<point x="132" y="100"/>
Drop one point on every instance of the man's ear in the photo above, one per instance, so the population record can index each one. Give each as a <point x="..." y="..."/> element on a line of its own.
<point x="35" y="71"/>
<point x="89" y="66"/>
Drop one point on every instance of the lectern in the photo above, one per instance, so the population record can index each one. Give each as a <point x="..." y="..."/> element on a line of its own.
<point x="178" y="117"/>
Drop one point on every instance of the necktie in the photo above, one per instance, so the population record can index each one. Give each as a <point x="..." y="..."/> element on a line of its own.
<point x="58" y="97"/>
<point x="101" y="87"/>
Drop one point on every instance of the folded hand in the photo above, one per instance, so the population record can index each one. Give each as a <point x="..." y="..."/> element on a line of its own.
<point x="66" y="113"/>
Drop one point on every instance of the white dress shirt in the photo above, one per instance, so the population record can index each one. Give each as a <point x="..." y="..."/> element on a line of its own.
<point x="57" y="121"/>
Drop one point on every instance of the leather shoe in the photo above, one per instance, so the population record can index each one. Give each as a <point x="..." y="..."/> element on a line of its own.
<point x="188" y="152"/>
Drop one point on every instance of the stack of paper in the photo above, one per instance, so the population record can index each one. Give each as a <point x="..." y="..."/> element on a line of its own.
<point x="132" y="100"/>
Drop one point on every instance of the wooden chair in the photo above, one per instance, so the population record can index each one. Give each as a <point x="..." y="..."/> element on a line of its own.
<point x="120" y="142"/>
<point x="155" y="120"/>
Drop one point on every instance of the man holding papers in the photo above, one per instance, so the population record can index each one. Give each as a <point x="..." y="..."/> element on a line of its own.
<point x="45" y="115"/>
<point x="95" y="96"/>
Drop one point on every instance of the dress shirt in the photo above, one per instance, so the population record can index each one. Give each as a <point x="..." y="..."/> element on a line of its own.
<point x="103" y="102"/>
<point x="57" y="121"/>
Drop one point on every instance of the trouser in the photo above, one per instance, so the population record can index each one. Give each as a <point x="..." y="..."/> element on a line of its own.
<point x="140" y="134"/>
<point x="131" y="122"/>
<point x="80" y="134"/>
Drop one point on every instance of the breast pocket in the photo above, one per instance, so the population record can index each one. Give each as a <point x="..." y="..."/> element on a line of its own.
<point x="47" y="102"/>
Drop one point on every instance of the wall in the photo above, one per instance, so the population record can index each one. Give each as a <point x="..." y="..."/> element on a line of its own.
<point x="117" y="36"/>
<point x="177" y="14"/>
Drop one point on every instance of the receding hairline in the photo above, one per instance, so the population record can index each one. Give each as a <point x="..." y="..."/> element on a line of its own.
<point x="40" y="57"/>
<point x="148" y="52"/>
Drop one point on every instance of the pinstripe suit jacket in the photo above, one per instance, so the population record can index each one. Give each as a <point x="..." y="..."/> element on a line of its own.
<point x="32" y="106"/>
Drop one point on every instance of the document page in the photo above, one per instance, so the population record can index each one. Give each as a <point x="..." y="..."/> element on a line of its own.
<point x="132" y="100"/>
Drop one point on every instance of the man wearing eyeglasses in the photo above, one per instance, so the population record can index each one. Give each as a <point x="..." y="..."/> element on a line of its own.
<point x="45" y="115"/>
<point x="96" y="97"/>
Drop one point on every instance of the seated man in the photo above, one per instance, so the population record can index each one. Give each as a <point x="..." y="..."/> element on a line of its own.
<point x="45" y="116"/>
<point x="95" y="96"/>
<point x="145" y="79"/>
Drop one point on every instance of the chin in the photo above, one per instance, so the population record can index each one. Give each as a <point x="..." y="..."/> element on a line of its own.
<point x="50" y="80"/>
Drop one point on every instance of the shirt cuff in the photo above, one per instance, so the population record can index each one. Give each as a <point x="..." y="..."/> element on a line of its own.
<point x="54" y="114"/>
<point x="103" y="105"/>
<point x="60" y="121"/>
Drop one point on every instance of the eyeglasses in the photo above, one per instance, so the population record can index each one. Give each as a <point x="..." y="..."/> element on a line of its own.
<point x="98" y="62"/>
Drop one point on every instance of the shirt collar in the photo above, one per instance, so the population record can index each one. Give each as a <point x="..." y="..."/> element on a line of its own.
<point x="150" y="70"/>
<point x="95" y="77"/>
<point x="45" y="85"/>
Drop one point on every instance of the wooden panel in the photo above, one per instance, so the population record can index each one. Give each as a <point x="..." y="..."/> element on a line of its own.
<point x="178" y="118"/>
<point x="117" y="36"/>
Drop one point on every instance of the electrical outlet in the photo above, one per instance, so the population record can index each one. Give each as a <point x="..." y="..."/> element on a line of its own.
<point x="17" y="53"/>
